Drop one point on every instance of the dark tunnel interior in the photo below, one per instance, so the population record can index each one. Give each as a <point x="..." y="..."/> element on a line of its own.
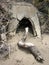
<point x="25" y="22"/>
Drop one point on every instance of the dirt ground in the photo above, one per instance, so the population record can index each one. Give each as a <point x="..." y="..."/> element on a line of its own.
<point x="20" y="56"/>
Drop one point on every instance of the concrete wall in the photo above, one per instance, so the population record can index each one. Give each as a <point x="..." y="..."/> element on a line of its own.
<point x="21" y="10"/>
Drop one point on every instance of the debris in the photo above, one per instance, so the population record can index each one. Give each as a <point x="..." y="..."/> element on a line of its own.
<point x="4" y="49"/>
<point x="2" y="33"/>
<point x="31" y="47"/>
<point x="34" y="50"/>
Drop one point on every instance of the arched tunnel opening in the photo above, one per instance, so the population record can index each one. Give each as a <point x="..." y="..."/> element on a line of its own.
<point x="25" y="22"/>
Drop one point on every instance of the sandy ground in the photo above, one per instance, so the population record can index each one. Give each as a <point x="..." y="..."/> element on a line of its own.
<point x="23" y="57"/>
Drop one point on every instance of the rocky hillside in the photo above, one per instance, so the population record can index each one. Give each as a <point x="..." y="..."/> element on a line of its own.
<point x="43" y="6"/>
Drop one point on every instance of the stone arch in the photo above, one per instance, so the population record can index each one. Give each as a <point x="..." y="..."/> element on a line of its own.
<point x="21" y="10"/>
